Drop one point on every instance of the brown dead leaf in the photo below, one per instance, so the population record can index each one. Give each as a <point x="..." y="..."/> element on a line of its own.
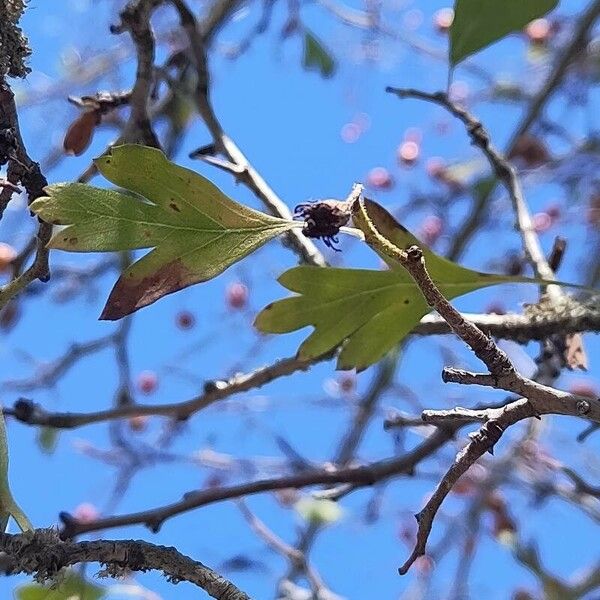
<point x="80" y="133"/>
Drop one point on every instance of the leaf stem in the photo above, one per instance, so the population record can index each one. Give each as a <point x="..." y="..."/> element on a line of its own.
<point x="354" y="232"/>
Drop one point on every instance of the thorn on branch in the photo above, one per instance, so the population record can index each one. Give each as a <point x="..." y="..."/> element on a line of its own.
<point x="206" y="150"/>
<point x="557" y="254"/>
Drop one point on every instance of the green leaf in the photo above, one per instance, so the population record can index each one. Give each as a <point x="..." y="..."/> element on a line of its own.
<point x="483" y="187"/>
<point x="317" y="57"/>
<point x="196" y="232"/>
<point x="70" y="587"/>
<point x="479" y="23"/>
<point x="369" y="311"/>
<point x="318" y="511"/>
<point x="463" y="172"/>
<point x="47" y="439"/>
<point x="8" y="506"/>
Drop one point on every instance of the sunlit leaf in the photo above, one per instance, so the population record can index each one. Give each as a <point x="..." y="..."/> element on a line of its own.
<point x="8" y="506"/>
<point x="47" y="439"/>
<point x="71" y="586"/>
<point x="316" y="56"/>
<point x="368" y="311"/>
<point x="463" y="172"/>
<point x="479" y="23"/>
<point x="196" y="232"/>
<point x="318" y="511"/>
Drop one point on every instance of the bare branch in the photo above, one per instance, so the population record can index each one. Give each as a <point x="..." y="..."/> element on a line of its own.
<point x="481" y="442"/>
<point x="503" y="170"/>
<point x="135" y="18"/>
<point x="360" y="476"/>
<point x="519" y="328"/>
<point x="524" y="224"/>
<point x="538" y="400"/>
<point x="450" y="375"/>
<point x="522" y="328"/>
<point x="21" y="169"/>
<point x="454" y="415"/>
<point x="225" y="145"/>
<point x="536" y="107"/>
<point x="33" y="414"/>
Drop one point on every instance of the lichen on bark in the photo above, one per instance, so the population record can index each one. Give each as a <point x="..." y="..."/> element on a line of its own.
<point x="14" y="47"/>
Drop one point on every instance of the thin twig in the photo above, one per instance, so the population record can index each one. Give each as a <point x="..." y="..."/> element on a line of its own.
<point x="412" y="260"/>
<point x="536" y="107"/>
<point x="33" y="414"/>
<point x="48" y="374"/>
<point x="135" y="18"/>
<point x="294" y="555"/>
<point x="21" y="169"/>
<point x="360" y="476"/>
<point x="537" y="400"/>
<point x="225" y="145"/>
<point x="502" y="169"/>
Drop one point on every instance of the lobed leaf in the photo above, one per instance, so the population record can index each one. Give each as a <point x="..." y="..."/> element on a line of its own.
<point x="368" y="312"/>
<point x="195" y="231"/>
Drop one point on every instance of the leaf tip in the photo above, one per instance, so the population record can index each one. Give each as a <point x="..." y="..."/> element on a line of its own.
<point x="111" y="312"/>
<point x="260" y="317"/>
<point x="38" y="204"/>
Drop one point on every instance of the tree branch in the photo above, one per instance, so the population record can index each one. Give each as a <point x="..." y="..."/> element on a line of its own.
<point x="135" y="18"/>
<point x="361" y="476"/>
<point x="538" y="400"/>
<point x="33" y="414"/>
<point x="536" y="107"/>
<point x="21" y="169"/>
<point x="502" y="169"/>
<point x="519" y="328"/>
<point x="533" y="325"/>
<point x="42" y="553"/>
<point x="307" y="251"/>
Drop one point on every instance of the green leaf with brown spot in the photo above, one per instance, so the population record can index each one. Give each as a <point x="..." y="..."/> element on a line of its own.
<point x="194" y="230"/>
<point x="367" y="312"/>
